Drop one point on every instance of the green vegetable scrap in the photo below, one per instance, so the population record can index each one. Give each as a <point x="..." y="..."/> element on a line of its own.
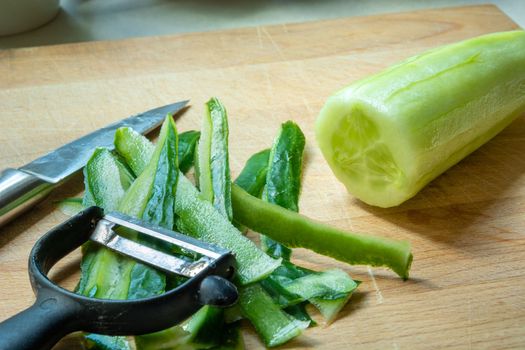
<point x="330" y="285"/>
<point x="137" y="150"/>
<point x="298" y="311"/>
<point x="274" y="326"/>
<point x="150" y="197"/>
<point x="200" y="219"/>
<point x="106" y="179"/>
<point x="146" y="181"/>
<point x="282" y="185"/>
<point x="136" y="154"/>
<point x="285" y="167"/>
<point x="173" y="338"/>
<point x="214" y="168"/>
<point x="253" y="176"/>
<point x="187" y="144"/>
<point x="328" y="291"/>
<point x="295" y="230"/>
<point x="283" y="179"/>
<point x="105" y="274"/>
<point x="214" y="145"/>
<point x="387" y="136"/>
<point x="264" y="308"/>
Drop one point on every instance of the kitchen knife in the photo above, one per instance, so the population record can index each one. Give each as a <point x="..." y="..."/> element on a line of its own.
<point x="23" y="187"/>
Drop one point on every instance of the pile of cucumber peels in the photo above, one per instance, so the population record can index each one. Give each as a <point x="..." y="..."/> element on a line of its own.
<point x="147" y="181"/>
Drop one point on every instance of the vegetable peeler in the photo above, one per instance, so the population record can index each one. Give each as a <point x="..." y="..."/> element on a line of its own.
<point x="57" y="311"/>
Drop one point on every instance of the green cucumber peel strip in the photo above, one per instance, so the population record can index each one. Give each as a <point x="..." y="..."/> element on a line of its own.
<point x="174" y="338"/>
<point x="295" y="230"/>
<point x="274" y="326"/>
<point x="283" y="179"/>
<point x="106" y="179"/>
<point x="110" y="275"/>
<point x="287" y="153"/>
<point x="253" y="176"/>
<point x="330" y="308"/>
<point x="214" y="169"/>
<point x="204" y="330"/>
<point x="208" y="327"/>
<point x="273" y="286"/>
<point x="106" y="274"/>
<point x="201" y="220"/>
<point x="138" y="153"/>
<point x="142" y="147"/>
<point x="232" y="338"/>
<point x="331" y="299"/>
<point x="188" y="335"/>
<point x="328" y="291"/>
<point x="152" y="195"/>
<point x="388" y="135"/>
<point x="285" y="164"/>
<point x="207" y="330"/>
<point x="188" y="141"/>
<point x="298" y="311"/>
<point x="331" y="284"/>
<point x="205" y="327"/>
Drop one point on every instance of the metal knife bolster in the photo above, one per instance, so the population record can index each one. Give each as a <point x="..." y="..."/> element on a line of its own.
<point x="19" y="191"/>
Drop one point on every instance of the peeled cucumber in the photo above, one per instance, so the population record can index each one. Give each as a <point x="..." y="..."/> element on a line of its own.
<point x="385" y="137"/>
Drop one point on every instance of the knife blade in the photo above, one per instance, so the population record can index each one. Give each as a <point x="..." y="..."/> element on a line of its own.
<point x="23" y="187"/>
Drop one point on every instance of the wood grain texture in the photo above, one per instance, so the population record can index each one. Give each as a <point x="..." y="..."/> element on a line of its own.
<point x="466" y="227"/>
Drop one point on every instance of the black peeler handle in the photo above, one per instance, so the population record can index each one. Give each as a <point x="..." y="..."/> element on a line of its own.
<point x="40" y="326"/>
<point x="58" y="311"/>
<point x="54" y="314"/>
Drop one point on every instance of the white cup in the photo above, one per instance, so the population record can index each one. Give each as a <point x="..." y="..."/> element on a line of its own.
<point x="18" y="16"/>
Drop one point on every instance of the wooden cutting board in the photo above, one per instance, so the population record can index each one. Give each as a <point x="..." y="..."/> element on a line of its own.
<point x="467" y="227"/>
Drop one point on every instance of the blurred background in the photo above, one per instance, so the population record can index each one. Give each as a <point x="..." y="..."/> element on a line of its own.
<point x="87" y="20"/>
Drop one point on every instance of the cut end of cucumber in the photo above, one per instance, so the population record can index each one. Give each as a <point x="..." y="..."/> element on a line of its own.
<point x="359" y="152"/>
<point x="353" y="144"/>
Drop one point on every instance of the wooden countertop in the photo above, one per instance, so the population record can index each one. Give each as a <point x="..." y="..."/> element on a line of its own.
<point x="467" y="227"/>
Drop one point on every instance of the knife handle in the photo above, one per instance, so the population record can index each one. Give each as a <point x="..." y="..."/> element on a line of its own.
<point x="19" y="191"/>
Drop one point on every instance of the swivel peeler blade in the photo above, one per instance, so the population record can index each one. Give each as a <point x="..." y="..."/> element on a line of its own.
<point x="106" y="233"/>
